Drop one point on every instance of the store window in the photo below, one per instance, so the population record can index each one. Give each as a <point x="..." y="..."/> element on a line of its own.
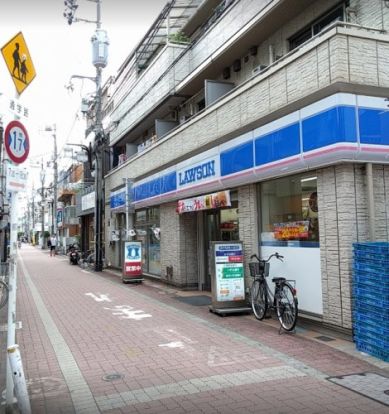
<point x="289" y="211"/>
<point x="148" y="232"/>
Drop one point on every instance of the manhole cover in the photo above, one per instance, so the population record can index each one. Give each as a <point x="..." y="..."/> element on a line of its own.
<point x="324" y="338"/>
<point x="370" y="385"/>
<point x="112" y="377"/>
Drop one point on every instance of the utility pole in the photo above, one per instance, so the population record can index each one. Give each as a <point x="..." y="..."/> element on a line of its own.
<point x="100" y="60"/>
<point x="54" y="229"/>
<point x="99" y="144"/>
<point x="42" y="174"/>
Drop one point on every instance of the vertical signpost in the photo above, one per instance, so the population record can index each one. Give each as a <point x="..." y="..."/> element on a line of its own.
<point x="132" y="266"/>
<point x="227" y="279"/>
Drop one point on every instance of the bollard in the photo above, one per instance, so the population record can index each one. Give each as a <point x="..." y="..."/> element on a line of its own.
<point x="19" y="380"/>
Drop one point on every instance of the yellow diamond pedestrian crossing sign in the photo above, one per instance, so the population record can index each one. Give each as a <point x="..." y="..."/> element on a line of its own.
<point x="19" y="62"/>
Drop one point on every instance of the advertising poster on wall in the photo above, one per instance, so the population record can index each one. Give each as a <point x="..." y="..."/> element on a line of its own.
<point x="132" y="266"/>
<point x="228" y="283"/>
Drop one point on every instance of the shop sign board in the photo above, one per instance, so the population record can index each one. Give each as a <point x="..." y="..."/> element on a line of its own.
<point x="132" y="267"/>
<point x="205" y="202"/>
<point x="88" y="201"/>
<point x="60" y="217"/>
<point x="229" y="272"/>
<point x="197" y="173"/>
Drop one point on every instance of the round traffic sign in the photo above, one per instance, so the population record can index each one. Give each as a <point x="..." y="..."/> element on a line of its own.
<point x="16" y="142"/>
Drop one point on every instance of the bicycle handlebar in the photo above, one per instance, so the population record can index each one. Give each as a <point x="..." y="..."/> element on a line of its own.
<point x="276" y="255"/>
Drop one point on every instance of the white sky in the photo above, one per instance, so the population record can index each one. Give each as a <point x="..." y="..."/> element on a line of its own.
<point x="59" y="51"/>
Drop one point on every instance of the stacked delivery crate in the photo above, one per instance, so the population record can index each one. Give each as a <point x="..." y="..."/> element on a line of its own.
<point x="371" y="298"/>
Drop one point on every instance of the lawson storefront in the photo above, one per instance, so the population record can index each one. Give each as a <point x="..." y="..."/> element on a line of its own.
<point x="279" y="187"/>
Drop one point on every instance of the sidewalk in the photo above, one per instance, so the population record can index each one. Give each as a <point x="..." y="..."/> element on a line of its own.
<point x="91" y="344"/>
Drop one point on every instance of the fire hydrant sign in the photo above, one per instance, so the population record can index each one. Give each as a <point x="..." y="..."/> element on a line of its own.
<point x="229" y="272"/>
<point x="132" y="267"/>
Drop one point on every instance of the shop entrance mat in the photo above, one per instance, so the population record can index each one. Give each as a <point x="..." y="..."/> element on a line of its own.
<point x="199" y="300"/>
<point x="369" y="384"/>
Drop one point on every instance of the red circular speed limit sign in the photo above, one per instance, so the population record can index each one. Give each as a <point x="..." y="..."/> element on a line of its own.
<point x="16" y="142"/>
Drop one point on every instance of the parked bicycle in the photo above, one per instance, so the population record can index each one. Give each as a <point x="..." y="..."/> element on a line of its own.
<point x="283" y="300"/>
<point x="87" y="260"/>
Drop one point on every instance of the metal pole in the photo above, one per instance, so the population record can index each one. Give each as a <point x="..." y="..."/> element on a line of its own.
<point x="55" y="184"/>
<point x="370" y="200"/>
<point x="42" y="206"/>
<point x="3" y="255"/>
<point x="11" y="299"/>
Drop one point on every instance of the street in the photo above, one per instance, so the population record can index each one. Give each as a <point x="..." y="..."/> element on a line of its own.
<point x="91" y="344"/>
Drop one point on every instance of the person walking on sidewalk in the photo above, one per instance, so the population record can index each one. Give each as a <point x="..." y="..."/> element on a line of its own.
<point x="53" y="245"/>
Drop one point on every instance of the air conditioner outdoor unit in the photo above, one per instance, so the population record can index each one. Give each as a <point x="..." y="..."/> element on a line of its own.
<point x="259" y="69"/>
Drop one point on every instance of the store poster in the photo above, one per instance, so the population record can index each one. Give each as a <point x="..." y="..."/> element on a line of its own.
<point x="293" y="230"/>
<point x="229" y="271"/>
<point x="132" y="267"/>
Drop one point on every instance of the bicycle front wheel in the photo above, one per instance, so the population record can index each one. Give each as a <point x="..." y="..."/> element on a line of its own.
<point x="259" y="298"/>
<point x="3" y="294"/>
<point x="287" y="307"/>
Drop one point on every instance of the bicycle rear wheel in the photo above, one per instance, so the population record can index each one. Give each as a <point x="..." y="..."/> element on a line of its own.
<point x="259" y="298"/>
<point x="3" y="294"/>
<point x="287" y="306"/>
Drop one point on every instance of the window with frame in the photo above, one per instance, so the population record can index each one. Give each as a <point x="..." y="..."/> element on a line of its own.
<point x="336" y="14"/>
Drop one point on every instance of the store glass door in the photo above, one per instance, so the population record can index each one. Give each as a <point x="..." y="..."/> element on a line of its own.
<point x="211" y="233"/>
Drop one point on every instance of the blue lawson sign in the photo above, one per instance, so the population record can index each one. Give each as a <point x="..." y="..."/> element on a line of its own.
<point x="118" y="199"/>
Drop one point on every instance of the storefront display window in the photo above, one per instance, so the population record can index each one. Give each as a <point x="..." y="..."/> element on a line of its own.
<point x="148" y="232"/>
<point x="290" y="211"/>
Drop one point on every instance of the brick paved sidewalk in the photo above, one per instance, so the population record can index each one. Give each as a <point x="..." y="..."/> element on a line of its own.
<point x="91" y="344"/>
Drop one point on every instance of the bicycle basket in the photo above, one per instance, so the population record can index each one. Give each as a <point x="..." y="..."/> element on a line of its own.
<point x="259" y="269"/>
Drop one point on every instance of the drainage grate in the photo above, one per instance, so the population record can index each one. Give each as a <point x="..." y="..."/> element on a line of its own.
<point x="113" y="377"/>
<point x="368" y="384"/>
<point x="324" y="338"/>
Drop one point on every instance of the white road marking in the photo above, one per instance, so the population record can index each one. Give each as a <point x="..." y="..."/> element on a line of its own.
<point x="100" y="298"/>
<point x="127" y="312"/>
<point x="177" y="344"/>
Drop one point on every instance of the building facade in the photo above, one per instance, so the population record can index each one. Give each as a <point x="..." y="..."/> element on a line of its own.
<point x="261" y="121"/>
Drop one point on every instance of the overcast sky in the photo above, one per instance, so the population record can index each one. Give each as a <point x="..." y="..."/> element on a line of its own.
<point x="59" y="51"/>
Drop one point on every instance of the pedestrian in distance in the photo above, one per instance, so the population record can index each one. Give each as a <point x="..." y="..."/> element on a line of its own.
<point x="53" y="245"/>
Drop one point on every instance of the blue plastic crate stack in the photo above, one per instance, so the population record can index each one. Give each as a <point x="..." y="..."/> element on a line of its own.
<point x="371" y="298"/>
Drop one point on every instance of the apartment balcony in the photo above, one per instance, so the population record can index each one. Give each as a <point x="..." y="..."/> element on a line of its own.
<point x="342" y="58"/>
<point x="179" y="71"/>
<point x="65" y="194"/>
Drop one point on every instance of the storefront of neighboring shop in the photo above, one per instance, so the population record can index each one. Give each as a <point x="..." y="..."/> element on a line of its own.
<point x="117" y="226"/>
<point x="85" y="203"/>
<point x="296" y="185"/>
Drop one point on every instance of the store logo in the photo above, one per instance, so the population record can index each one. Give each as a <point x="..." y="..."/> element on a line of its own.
<point x="198" y="173"/>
